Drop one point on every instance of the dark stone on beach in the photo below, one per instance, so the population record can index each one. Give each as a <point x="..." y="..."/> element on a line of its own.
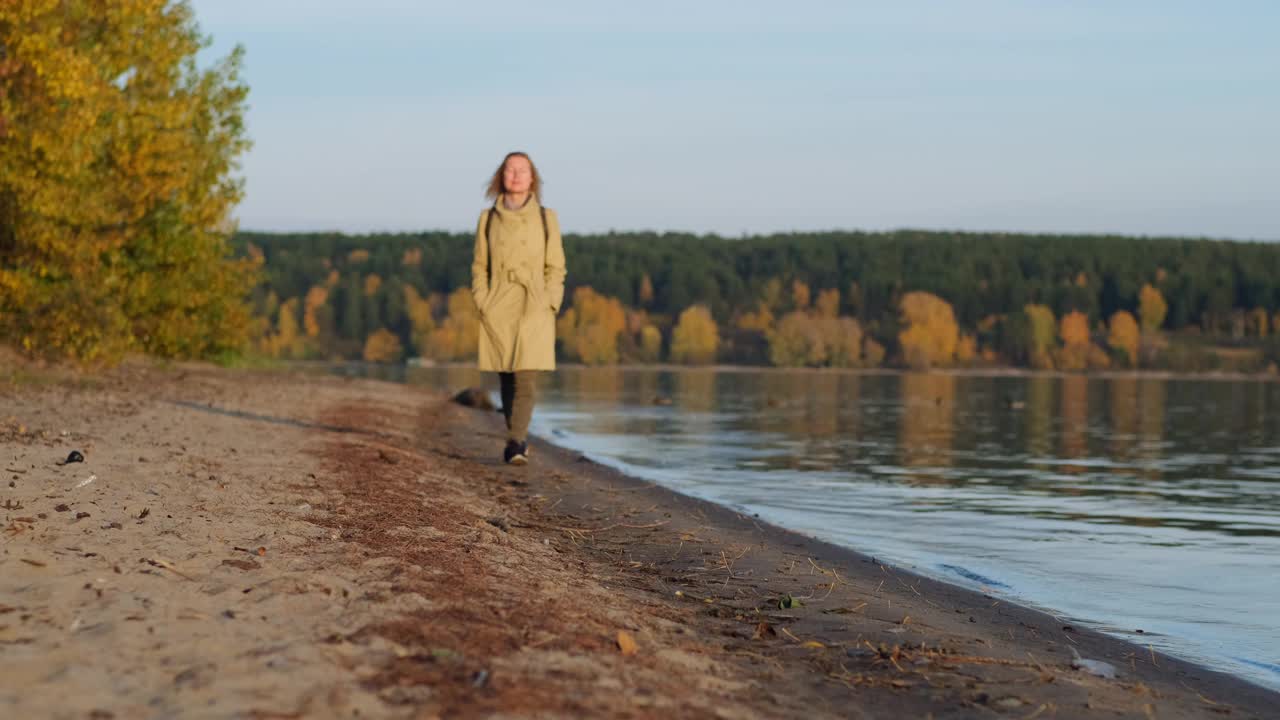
<point x="474" y="398"/>
<point x="500" y="523"/>
<point x="74" y="457"/>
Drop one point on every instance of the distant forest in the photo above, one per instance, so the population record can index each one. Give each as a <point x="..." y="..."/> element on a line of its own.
<point x="905" y="298"/>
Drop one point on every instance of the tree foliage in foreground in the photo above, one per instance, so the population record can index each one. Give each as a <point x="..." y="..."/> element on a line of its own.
<point x="116" y="154"/>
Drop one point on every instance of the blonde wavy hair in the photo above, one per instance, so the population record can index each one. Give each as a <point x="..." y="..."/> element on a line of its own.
<point x="495" y="183"/>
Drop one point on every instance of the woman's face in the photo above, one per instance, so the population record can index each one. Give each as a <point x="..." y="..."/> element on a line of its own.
<point x="517" y="175"/>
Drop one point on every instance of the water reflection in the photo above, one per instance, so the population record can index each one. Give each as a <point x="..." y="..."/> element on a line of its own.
<point x="927" y="425"/>
<point x="1039" y="412"/>
<point x="696" y="390"/>
<point x="1151" y="425"/>
<point x="1123" y="402"/>
<point x="1075" y="421"/>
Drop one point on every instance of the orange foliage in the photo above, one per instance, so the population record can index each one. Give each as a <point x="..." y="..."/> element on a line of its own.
<point x="800" y="294"/>
<point x="421" y="318"/>
<point x="646" y="290"/>
<point x="803" y="339"/>
<point x="458" y="335"/>
<point x="872" y="352"/>
<point x="761" y="319"/>
<point x="650" y="344"/>
<point x="966" y="350"/>
<point x="695" y="338"/>
<point x="1124" y="336"/>
<point x="1151" y="308"/>
<point x="316" y="298"/>
<point x="828" y="304"/>
<point x="1258" y="322"/>
<point x="382" y="346"/>
<point x="930" y="332"/>
<point x="590" y="328"/>
<point x="286" y="342"/>
<point x="1074" y="331"/>
<point x="116" y="186"/>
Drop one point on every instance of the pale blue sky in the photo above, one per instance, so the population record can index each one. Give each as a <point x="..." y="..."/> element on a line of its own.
<point x="1140" y="117"/>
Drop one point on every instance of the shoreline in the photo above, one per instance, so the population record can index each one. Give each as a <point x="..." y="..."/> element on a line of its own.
<point x="1141" y="374"/>
<point x="834" y="554"/>
<point x="281" y="544"/>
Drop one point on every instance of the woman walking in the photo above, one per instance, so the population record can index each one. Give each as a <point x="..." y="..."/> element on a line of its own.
<point x="517" y="279"/>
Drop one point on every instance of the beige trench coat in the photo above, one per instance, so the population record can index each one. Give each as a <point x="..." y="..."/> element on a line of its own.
<point x="517" y="280"/>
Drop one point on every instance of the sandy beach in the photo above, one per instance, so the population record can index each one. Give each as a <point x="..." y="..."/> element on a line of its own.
<point x="272" y="544"/>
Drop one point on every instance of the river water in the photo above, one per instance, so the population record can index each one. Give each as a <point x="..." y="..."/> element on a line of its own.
<point x="1124" y="503"/>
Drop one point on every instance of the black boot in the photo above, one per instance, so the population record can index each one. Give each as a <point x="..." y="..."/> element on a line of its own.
<point x="516" y="453"/>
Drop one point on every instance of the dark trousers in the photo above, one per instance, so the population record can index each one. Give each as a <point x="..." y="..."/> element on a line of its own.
<point x="519" y="390"/>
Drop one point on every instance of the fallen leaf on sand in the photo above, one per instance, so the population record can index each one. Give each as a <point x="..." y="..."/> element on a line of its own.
<point x="812" y="644"/>
<point x="626" y="643"/>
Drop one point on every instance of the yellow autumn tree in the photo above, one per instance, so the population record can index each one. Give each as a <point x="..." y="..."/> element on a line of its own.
<point x="760" y="319"/>
<point x="116" y="186"/>
<point x="316" y="298"/>
<point x="382" y="346"/>
<point x="650" y="344"/>
<point x="771" y="294"/>
<point x="966" y="349"/>
<point x="645" y="291"/>
<point x="800" y="294"/>
<point x="1074" y="332"/>
<point x="1041" y="328"/>
<point x="1258" y="322"/>
<point x="828" y="303"/>
<point x="1123" y="336"/>
<point x="286" y="342"/>
<point x="797" y="342"/>
<point x="872" y="353"/>
<point x="421" y="318"/>
<point x="695" y="338"/>
<point x="930" y="332"/>
<point x="589" y="329"/>
<point x="458" y="335"/>
<point x="815" y="340"/>
<point x="1151" y="308"/>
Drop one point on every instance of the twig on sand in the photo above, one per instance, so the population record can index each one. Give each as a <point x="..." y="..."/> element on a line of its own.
<point x="611" y="527"/>
<point x="161" y="562"/>
<point x="832" y="586"/>
<point x="1202" y="697"/>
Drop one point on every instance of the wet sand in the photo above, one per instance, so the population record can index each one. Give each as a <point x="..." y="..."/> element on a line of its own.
<point x="284" y="545"/>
